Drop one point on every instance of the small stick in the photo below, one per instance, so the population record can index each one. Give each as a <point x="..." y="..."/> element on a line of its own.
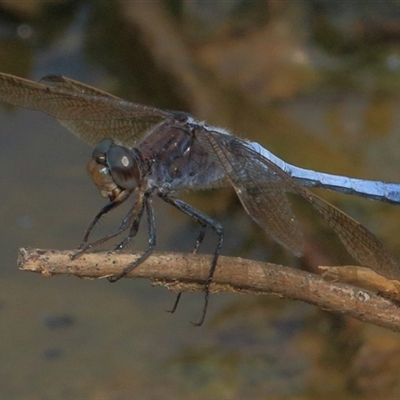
<point x="187" y="272"/>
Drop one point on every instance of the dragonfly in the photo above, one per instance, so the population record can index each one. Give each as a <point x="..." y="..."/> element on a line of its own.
<point x="155" y="152"/>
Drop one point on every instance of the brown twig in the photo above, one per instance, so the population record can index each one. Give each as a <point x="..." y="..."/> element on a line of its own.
<point x="187" y="272"/>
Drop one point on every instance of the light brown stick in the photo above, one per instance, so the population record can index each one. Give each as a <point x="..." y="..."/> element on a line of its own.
<point x="187" y="272"/>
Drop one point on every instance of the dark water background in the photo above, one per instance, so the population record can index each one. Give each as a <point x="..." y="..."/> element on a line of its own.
<point x="316" y="82"/>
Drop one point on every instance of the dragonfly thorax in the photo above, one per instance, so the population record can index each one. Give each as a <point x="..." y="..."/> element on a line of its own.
<point x="114" y="169"/>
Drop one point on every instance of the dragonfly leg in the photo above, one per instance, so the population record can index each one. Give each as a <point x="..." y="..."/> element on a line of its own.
<point x="134" y="213"/>
<point x="204" y="221"/>
<point x="135" y="224"/>
<point x="199" y="240"/>
<point x="108" y="207"/>
<point x="152" y="238"/>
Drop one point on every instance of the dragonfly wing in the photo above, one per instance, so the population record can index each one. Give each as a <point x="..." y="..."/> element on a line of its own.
<point x="361" y="243"/>
<point x="241" y="163"/>
<point x="62" y="83"/>
<point x="260" y="189"/>
<point x="89" y="113"/>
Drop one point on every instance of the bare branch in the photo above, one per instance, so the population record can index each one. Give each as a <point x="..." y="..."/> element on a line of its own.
<point x="363" y="277"/>
<point x="187" y="272"/>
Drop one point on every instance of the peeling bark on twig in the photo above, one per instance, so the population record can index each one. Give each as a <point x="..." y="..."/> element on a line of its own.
<point x="187" y="272"/>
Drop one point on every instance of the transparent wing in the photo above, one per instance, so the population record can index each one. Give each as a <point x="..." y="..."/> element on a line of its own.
<point x="89" y="113"/>
<point x="261" y="187"/>
<point x="62" y="83"/>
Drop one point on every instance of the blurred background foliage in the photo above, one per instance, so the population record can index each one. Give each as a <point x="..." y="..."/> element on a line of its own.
<point x="316" y="82"/>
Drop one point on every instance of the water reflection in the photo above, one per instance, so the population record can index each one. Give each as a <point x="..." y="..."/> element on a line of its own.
<point x="297" y="77"/>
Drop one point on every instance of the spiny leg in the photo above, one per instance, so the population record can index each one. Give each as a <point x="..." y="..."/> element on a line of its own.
<point x="204" y="221"/>
<point x="107" y="208"/>
<point x="134" y="229"/>
<point x="127" y="221"/>
<point x="152" y="240"/>
<point x="199" y="240"/>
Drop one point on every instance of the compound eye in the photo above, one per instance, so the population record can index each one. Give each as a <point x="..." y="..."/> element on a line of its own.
<point x="99" y="152"/>
<point x="119" y="157"/>
<point x="123" y="167"/>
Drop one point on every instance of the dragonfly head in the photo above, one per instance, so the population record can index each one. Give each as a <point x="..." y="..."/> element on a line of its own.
<point x="114" y="169"/>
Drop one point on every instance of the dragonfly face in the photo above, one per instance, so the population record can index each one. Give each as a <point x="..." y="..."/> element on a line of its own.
<point x="114" y="169"/>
